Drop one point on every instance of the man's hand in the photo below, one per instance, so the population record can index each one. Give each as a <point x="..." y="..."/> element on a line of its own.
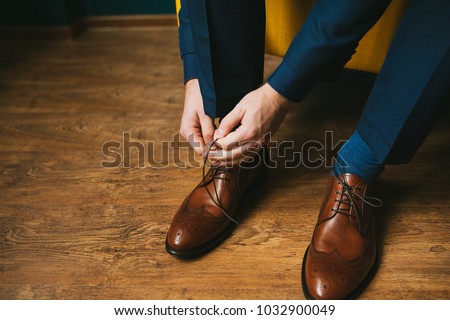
<point x="260" y="112"/>
<point x="196" y="126"/>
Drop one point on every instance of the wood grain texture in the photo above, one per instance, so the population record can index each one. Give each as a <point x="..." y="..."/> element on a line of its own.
<point x="70" y="229"/>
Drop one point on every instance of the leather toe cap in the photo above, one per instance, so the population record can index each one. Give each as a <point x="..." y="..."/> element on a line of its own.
<point x="325" y="278"/>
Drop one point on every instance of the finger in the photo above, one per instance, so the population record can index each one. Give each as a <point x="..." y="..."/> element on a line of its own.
<point x="232" y="162"/>
<point x="235" y="138"/>
<point x="225" y="163"/>
<point x="208" y="148"/>
<point x="208" y="128"/>
<point x="248" y="150"/>
<point x="229" y="122"/>
<point x="195" y="139"/>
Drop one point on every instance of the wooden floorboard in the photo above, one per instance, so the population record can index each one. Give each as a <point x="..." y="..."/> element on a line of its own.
<point x="70" y="229"/>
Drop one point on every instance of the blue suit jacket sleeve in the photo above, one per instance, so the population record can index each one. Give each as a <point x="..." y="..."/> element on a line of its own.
<point x="325" y="43"/>
<point x="186" y="43"/>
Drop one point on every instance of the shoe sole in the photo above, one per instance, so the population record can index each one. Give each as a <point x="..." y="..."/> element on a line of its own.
<point x="215" y="242"/>
<point x="355" y="293"/>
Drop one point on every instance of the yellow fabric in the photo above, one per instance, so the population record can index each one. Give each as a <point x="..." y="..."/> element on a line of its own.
<point x="374" y="45"/>
<point x="178" y="6"/>
<point x="285" y="17"/>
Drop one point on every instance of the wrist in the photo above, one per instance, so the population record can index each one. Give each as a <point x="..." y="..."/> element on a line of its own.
<point x="275" y="97"/>
<point x="190" y="83"/>
<point x="191" y="87"/>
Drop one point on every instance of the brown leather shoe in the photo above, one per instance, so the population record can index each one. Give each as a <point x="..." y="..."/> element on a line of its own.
<point x="209" y="213"/>
<point x="341" y="259"/>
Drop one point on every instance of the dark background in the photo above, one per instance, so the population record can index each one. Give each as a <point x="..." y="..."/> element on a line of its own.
<point x="64" y="12"/>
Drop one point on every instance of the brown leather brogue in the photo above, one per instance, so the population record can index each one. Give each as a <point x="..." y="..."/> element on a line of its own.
<point x="210" y="212"/>
<point x="341" y="258"/>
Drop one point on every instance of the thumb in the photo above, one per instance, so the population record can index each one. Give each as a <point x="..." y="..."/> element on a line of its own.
<point x="228" y="123"/>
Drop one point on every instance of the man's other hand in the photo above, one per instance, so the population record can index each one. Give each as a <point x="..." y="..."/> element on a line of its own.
<point x="245" y="128"/>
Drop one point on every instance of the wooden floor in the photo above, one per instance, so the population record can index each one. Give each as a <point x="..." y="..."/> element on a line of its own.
<point x="70" y="229"/>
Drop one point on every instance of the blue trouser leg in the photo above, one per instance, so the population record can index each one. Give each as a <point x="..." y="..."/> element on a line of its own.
<point x="413" y="86"/>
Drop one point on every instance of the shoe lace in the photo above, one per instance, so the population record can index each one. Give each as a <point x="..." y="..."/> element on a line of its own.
<point x="216" y="173"/>
<point x="347" y="196"/>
